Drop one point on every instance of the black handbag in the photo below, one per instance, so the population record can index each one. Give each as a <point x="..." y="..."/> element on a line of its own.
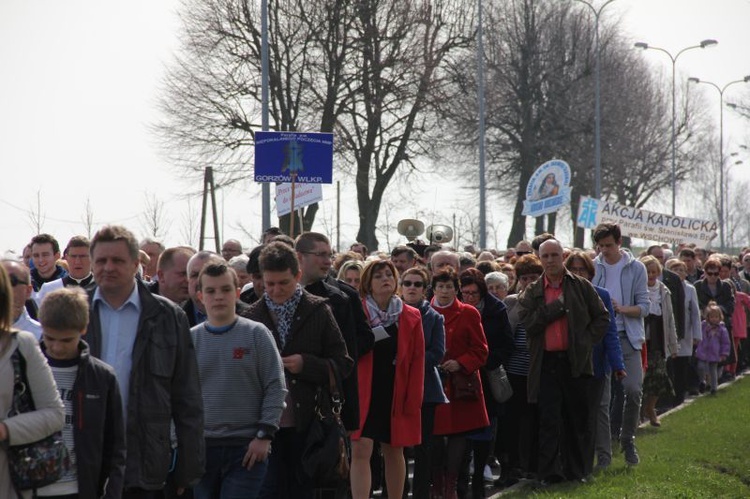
<point x="39" y="463"/>
<point x="325" y="456"/>
<point x="464" y="386"/>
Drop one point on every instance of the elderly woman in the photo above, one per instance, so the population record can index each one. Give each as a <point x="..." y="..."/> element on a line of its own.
<point x="49" y="414"/>
<point x="497" y="284"/>
<point x="391" y="382"/>
<point x="499" y="337"/>
<point x="414" y="283"/>
<point x="466" y="351"/>
<point x="661" y="340"/>
<point x="351" y="273"/>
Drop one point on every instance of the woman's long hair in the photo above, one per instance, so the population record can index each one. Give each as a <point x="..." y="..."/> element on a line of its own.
<point x="6" y="309"/>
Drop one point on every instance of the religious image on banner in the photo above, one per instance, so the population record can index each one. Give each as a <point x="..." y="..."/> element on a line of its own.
<point x="548" y="189"/>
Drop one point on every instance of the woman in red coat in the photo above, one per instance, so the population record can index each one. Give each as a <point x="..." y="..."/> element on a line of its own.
<point x="391" y="382"/>
<point x="465" y="352"/>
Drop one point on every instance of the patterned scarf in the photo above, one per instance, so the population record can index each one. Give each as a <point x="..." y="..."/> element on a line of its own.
<point x="384" y="317"/>
<point x="284" y="313"/>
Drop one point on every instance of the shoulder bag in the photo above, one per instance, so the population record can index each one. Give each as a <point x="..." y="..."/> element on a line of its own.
<point x="500" y="384"/>
<point x="39" y="463"/>
<point x="325" y="456"/>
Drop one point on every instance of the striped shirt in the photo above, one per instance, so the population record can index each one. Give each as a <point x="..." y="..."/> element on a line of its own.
<point x="242" y="378"/>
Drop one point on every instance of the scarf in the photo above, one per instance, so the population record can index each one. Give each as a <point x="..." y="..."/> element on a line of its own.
<point x="386" y="317"/>
<point x="284" y="313"/>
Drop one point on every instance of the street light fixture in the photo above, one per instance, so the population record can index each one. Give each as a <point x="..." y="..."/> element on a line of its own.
<point x="645" y="46"/>
<point x="721" y="143"/>
<point x="597" y="100"/>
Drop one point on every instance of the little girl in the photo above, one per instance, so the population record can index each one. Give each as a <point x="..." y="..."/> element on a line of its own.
<point x="714" y="347"/>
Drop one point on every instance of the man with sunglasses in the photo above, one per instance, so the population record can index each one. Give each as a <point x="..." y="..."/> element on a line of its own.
<point x="20" y="281"/>
<point x="624" y="277"/>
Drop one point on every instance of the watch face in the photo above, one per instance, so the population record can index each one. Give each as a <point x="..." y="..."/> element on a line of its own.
<point x="261" y="434"/>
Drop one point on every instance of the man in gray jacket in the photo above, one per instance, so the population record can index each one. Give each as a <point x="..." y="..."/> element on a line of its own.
<point x="146" y="339"/>
<point x="625" y="278"/>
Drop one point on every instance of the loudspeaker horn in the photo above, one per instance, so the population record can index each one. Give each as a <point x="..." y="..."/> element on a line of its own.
<point x="410" y="228"/>
<point x="439" y="234"/>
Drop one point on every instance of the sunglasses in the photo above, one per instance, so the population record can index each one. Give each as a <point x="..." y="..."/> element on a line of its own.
<point x="521" y="253"/>
<point x="712" y="274"/>
<point x="416" y="284"/>
<point x="15" y="281"/>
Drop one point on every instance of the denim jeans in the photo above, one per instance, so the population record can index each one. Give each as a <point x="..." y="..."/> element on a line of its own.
<point x="626" y="411"/>
<point x="225" y="476"/>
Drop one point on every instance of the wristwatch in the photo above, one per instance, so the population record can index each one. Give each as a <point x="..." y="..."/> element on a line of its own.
<point x="262" y="435"/>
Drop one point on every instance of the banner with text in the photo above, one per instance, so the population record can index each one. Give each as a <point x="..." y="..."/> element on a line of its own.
<point x="643" y="224"/>
<point x="304" y="195"/>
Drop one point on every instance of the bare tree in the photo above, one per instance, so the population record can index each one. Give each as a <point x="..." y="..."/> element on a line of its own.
<point x="87" y="217"/>
<point x="154" y="218"/>
<point x="190" y="229"/>
<point x="36" y="215"/>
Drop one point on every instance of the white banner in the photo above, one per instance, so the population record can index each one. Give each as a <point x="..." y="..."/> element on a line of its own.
<point x="304" y="195"/>
<point x="643" y="224"/>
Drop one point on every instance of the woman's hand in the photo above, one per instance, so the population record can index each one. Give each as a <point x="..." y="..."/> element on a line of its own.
<point x="450" y="366"/>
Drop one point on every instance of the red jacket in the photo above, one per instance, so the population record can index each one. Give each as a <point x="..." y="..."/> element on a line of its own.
<point x="406" y="415"/>
<point x="466" y="343"/>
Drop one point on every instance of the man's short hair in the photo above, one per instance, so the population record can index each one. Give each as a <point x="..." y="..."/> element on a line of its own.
<point x="148" y="241"/>
<point x="271" y="231"/>
<point x="115" y="233"/>
<point x="77" y="242"/>
<point x="400" y="250"/>
<point x="466" y="259"/>
<point x="306" y="241"/>
<point x="253" y="260"/>
<point x="607" y="229"/>
<point x="45" y="239"/>
<point x="239" y="263"/>
<point x="487" y="267"/>
<point x="687" y="253"/>
<point x="65" y="309"/>
<point x="166" y="259"/>
<point x="538" y="240"/>
<point x="279" y="257"/>
<point x="217" y="270"/>
<point x="283" y="238"/>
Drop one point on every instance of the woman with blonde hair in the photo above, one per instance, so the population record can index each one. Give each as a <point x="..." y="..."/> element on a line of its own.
<point x="391" y="381"/>
<point x="49" y="414"/>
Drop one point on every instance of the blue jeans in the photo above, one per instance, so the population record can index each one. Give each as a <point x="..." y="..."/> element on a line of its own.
<point x="226" y="478"/>
<point x="283" y="480"/>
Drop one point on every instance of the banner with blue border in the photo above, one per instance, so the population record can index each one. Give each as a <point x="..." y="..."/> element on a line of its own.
<point x="548" y="189"/>
<point x="308" y="155"/>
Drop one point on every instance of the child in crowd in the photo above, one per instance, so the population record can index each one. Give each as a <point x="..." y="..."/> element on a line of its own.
<point x="714" y="347"/>
<point x="94" y="431"/>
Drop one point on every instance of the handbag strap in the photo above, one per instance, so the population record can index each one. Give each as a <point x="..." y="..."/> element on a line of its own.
<point x="22" y="398"/>
<point x="333" y="389"/>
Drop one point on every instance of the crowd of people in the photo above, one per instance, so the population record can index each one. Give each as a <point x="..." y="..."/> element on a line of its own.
<point x="173" y="372"/>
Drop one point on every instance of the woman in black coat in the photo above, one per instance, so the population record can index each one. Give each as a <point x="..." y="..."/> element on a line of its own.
<point x="500" y="344"/>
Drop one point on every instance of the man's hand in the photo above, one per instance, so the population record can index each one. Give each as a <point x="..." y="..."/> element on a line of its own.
<point x="293" y="363"/>
<point x="619" y="375"/>
<point x="257" y="451"/>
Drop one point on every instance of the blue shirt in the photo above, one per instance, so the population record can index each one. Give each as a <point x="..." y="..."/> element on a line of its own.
<point x="119" y="329"/>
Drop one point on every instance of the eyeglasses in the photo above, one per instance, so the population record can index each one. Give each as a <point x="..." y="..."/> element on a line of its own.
<point x="15" y="281"/>
<point x="576" y="270"/>
<point x="319" y="254"/>
<point x="521" y="253"/>
<point x="416" y="284"/>
<point x="712" y="274"/>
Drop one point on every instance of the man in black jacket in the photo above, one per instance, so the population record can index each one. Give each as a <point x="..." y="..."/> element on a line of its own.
<point x="146" y="339"/>
<point x="314" y="254"/>
<point x="94" y="428"/>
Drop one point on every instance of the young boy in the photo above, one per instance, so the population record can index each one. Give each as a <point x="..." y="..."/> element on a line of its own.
<point x="243" y="387"/>
<point x="93" y="431"/>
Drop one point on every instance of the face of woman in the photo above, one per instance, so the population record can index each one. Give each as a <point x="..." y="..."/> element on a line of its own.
<point x="725" y="272"/>
<point x="383" y="282"/>
<point x="352" y="278"/>
<point x="498" y="290"/>
<point x="653" y="274"/>
<point x="445" y="292"/>
<point x="712" y="275"/>
<point x="525" y="280"/>
<point x="470" y="294"/>
<point x="579" y="269"/>
<point x="412" y="289"/>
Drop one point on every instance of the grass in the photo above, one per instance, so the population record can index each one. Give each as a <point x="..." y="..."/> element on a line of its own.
<point x="700" y="451"/>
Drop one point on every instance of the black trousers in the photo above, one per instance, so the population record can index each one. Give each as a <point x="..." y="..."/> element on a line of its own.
<point x="563" y="420"/>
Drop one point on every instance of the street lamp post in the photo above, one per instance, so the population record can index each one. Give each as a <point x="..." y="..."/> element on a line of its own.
<point x="721" y="144"/>
<point x="597" y="100"/>
<point x="645" y="46"/>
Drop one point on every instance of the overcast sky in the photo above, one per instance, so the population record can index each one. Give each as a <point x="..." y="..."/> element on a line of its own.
<point x="80" y="82"/>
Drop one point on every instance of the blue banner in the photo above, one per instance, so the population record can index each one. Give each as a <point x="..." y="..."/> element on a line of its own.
<point x="308" y="155"/>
